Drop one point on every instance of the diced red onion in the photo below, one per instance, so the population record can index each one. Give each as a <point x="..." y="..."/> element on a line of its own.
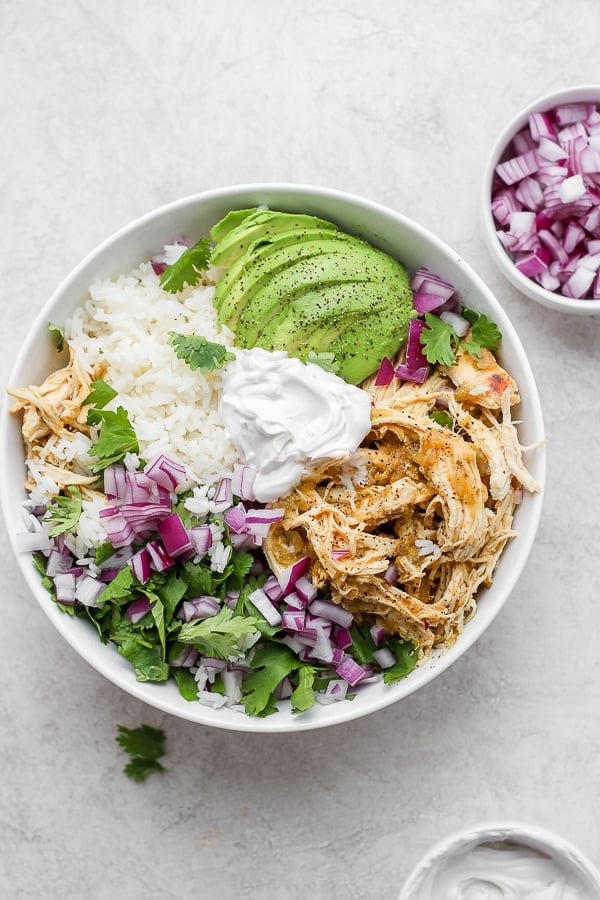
<point x="458" y="323"/>
<point x="391" y="574"/>
<point x="415" y="358"/>
<point x="332" y="611"/>
<point x="88" y="590"/>
<point x="260" y="600"/>
<point x="186" y="659"/>
<point x="293" y="619"/>
<point x="242" y="482"/>
<point x="235" y="517"/>
<point x="417" y="375"/>
<point x="58" y="562"/>
<point x="424" y="281"/>
<point x="138" y="609"/>
<point x="342" y="638"/>
<point x="200" y="608"/>
<point x="169" y="473"/>
<point x="272" y="589"/>
<point x="64" y="586"/>
<point x="174" y="535"/>
<point x="351" y="671"/>
<point x="385" y="658"/>
<point x="201" y="538"/>
<point x="223" y="493"/>
<point x="140" y="564"/>
<point x="385" y="373"/>
<point x="289" y="576"/>
<point x="424" y="302"/>
<point x="160" y="559"/>
<point x="305" y="589"/>
<point x="377" y="633"/>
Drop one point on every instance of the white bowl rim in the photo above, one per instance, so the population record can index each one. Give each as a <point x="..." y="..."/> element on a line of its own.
<point x="521" y="282"/>
<point x="336" y="713"/>
<point x="535" y="836"/>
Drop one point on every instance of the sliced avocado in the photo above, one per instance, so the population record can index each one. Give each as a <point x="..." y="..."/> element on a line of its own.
<point x="259" y="224"/>
<point x="360" y="348"/>
<point x="323" y="268"/>
<point x="263" y="260"/>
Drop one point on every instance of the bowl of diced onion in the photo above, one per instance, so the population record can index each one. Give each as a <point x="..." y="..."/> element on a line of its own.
<point x="541" y="200"/>
<point x="194" y="216"/>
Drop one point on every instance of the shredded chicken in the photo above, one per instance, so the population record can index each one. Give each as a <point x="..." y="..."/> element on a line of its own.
<point x="427" y="506"/>
<point x="53" y="413"/>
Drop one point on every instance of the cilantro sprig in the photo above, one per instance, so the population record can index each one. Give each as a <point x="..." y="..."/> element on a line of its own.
<point x="116" y="438"/>
<point x="144" y="745"/>
<point x="65" y="512"/>
<point x="187" y="270"/>
<point x="57" y="336"/>
<point x="441" y="343"/>
<point x="198" y="352"/>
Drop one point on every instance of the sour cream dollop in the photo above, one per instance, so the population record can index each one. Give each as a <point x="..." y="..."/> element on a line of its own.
<point x="501" y="870"/>
<point x="282" y="415"/>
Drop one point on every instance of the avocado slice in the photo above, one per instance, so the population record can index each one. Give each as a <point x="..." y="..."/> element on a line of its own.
<point x="262" y="262"/>
<point x="232" y="242"/>
<point x="326" y="266"/>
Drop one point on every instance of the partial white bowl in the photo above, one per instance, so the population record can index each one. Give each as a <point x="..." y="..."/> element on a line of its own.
<point x="448" y="860"/>
<point x="527" y="286"/>
<point x="193" y="216"/>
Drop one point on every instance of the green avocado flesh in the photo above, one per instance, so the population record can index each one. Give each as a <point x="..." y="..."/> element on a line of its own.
<point x="297" y="283"/>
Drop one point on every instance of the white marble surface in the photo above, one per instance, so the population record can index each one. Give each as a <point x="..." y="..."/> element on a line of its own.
<point x="110" y="109"/>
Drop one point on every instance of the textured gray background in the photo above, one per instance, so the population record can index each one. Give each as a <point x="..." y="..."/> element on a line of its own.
<point x="111" y="109"/>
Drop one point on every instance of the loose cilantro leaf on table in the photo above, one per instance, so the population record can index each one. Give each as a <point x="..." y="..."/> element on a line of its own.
<point x="64" y="512"/>
<point x="57" y="336"/>
<point x="199" y="353"/>
<point x="116" y="438"/>
<point x="187" y="270"/>
<point x="144" y="745"/>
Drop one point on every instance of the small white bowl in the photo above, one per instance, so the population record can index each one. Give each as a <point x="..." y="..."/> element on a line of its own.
<point x="445" y="860"/>
<point x="526" y="285"/>
<point x="193" y="216"/>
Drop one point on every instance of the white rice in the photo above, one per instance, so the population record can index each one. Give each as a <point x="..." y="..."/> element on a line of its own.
<point x="125" y="323"/>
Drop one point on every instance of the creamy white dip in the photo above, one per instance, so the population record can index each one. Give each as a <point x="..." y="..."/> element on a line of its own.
<point x="499" y="870"/>
<point x="283" y="415"/>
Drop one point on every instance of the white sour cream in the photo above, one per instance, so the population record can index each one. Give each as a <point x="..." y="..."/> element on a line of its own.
<point x="499" y="870"/>
<point x="282" y="415"/>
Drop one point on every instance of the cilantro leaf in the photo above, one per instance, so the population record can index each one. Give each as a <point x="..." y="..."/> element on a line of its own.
<point x="406" y="655"/>
<point x="327" y="361"/>
<point x="303" y="696"/>
<point x="270" y="664"/>
<point x="439" y="341"/>
<point x="101" y="393"/>
<point x="144" y="745"/>
<point x="442" y="418"/>
<point x="64" y="513"/>
<point x="188" y="687"/>
<point x="484" y="333"/>
<point x="199" y="353"/>
<point x="116" y="438"/>
<point x="147" y="661"/>
<point x="221" y="635"/>
<point x="138" y="769"/>
<point x="57" y="335"/>
<point x="187" y="270"/>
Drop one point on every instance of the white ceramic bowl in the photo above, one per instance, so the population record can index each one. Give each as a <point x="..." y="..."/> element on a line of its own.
<point x="448" y="855"/>
<point x="525" y="285"/>
<point x="193" y="217"/>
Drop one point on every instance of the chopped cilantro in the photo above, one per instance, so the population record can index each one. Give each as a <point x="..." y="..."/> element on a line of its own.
<point x="303" y="696"/>
<point x="57" y="335"/>
<point x="406" y="655"/>
<point x="188" y="687"/>
<point x="440" y="341"/>
<point x="187" y="270"/>
<point x="221" y="635"/>
<point x="144" y="745"/>
<point x="327" y="361"/>
<point x="442" y="418"/>
<point x="147" y="661"/>
<point x="199" y="353"/>
<point x="270" y="664"/>
<point x="101" y="393"/>
<point x="64" y="513"/>
<point x="117" y="438"/>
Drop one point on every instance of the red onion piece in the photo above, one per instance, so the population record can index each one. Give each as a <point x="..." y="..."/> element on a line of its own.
<point x="242" y="482"/>
<point x="289" y="576"/>
<point x="138" y="609"/>
<point x="260" y="600"/>
<point x="200" y="608"/>
<point x="174" y="535"/>
<point x="332" y="612"/>
<point x="416" y="375"/>
<point x="140" y="564"/>
<point x="169" y="473"/>
<point x="350" y="671"/>
<point x="385" y="373"/>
